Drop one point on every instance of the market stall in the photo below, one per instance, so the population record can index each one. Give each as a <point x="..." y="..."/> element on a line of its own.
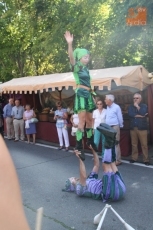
<point x="43" y="92"/>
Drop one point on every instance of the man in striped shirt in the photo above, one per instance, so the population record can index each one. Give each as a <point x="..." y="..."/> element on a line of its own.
<point x="110" y="187"/>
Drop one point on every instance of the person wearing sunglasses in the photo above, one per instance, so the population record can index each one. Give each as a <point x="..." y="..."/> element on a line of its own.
<point x="138" y="128"/>
<point x="99" y="116"/>
<point x="84" y="103"/>
<point x="61" y="125"/>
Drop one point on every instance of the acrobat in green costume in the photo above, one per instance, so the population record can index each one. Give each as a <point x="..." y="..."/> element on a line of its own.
<point x="84" y="103"/>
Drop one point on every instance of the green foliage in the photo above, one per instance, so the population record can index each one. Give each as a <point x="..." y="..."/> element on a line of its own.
<point x="32" y="41"/>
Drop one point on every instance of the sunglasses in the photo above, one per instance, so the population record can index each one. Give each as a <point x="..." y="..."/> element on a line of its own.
<point x="99" y="104"/>
<point x="136" y="98"/>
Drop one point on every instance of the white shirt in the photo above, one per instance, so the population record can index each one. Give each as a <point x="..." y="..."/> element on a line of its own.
<point x="99" y="117"/>
<point x="114" y="115"/>
<point x="75" y="119"/>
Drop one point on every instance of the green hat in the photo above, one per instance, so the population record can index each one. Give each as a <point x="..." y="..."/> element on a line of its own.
<point x="79" y="53"/>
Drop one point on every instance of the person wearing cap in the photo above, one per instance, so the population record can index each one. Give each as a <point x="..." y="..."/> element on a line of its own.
<point x="111" y="187"/>
<point x="84" y="103"/>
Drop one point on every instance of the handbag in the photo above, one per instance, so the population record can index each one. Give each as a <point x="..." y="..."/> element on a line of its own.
<point x="33" y="120"/>
<point x="74" y="129"/>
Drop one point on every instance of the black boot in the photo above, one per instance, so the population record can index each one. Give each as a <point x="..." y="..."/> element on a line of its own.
<point x="79" y="147"/>
<point x="109" y="133"/>
<point x="90" y="139"/>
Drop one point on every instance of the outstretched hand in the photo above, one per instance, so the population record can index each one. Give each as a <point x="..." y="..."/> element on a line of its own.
<point x="69" y="37"/>
<point x="90" y="147"/>
<point x="77" y="153"/>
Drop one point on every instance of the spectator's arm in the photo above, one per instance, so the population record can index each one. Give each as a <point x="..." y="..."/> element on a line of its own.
<point x="34" y="115"/>
<point x="24" y="118"/>
<point x="65" y="115"/>
<point x="120" y="116"/>
<point x="143" y="110"/>
<point x="55" y="117"/>
<point x="131" y="112"/>
<point x="4" y="111"/>
<point x="12" y="113"/>
<point x="71" y="119"/>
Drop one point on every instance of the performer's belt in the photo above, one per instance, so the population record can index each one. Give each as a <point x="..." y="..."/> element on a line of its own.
<point x="84" y="87"/>
<point x="87" y="88"/>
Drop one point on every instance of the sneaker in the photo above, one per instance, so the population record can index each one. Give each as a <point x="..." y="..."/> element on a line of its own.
<point x="132" y="161"/>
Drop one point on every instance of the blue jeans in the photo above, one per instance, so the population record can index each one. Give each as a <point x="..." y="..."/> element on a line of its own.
<point x="97" y="136"/>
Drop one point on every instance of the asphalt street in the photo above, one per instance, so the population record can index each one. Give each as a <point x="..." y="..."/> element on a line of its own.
<point x="42" y="173"/>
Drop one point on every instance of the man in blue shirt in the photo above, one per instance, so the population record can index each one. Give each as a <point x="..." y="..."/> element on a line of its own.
<point x="138" y="126"/>
<point x="114" y="118"/>
<point x="7" y="110"/>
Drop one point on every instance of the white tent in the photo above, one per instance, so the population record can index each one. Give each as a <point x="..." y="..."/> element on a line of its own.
<point x="128" y="76"/>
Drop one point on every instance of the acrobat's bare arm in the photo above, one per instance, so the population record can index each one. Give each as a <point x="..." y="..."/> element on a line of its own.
<point x="69" y="38"/>
<point x="82" y="169"/>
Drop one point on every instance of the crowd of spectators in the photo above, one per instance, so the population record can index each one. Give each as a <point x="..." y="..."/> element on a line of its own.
<point x="18" y="123"/>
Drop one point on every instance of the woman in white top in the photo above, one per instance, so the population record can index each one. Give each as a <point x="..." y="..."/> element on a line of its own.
<point x="99" y="116"/>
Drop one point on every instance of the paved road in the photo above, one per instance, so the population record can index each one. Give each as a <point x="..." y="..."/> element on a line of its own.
<point x="42" y="173"/>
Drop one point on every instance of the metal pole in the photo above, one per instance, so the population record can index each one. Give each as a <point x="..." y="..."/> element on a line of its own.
<point x="39" y="219"/>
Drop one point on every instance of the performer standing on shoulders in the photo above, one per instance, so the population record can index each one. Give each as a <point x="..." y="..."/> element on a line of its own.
<point x="84" y="104"/>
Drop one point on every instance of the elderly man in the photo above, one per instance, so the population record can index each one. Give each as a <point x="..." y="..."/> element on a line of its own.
<point x="8" y="119"/>
<point x="114" y="118"/>
<point x="18" y="122"/>
<point x="138" y="125"/>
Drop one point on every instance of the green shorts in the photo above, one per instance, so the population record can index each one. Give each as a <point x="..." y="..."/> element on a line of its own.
<point x="84" y="102"/>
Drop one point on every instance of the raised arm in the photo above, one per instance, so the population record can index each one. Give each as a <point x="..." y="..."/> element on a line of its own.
<point x="82" y="170"/>
<point x="69" y="38"/>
